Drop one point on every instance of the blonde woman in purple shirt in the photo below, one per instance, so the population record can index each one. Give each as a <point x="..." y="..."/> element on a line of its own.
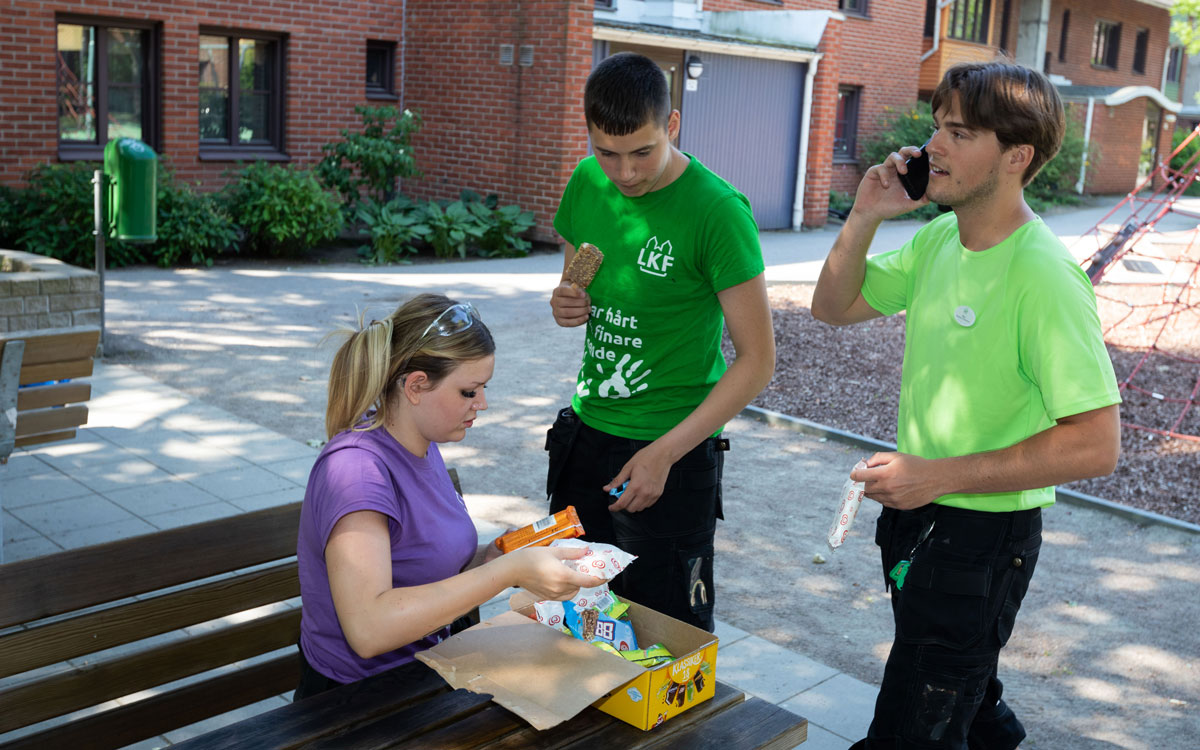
<point x="387" y="553"/>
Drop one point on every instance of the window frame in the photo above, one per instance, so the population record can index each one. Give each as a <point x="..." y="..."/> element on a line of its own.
<point x="1111" y="46"/>
<point x="1174" y="63"/>
<point x="960" y="17"/>
<point x="1141" y="48"/>
<point x="388" y="89"/>
<point x="849" y="151"/>
<point x="151" y="89"/>
<point x="1062" y="35"/>
<point x="863" y="9"/>
<point x="606" y="4"/>
<point x="230" y="150"/>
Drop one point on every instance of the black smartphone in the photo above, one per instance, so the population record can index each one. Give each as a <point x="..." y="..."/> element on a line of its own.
<point x="916" y="179"/>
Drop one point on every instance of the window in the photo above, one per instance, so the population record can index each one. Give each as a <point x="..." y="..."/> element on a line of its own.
<point x="969" y="20"/>
<point x="858" y="7"/>
<point x="606" y="4"/>
<point x="1106" y="43"/>
<point x="241" y="96"/>
<point x="106" y="79"/>
<point x="845" y="134"/>
<point x="1173" y="58"/>
<point x="1142" y="41"/>
<point x="381" y="70"/>
<point x="1062" y="36"/>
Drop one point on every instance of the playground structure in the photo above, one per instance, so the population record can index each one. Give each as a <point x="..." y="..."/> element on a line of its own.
<point x="1146" y="273"/>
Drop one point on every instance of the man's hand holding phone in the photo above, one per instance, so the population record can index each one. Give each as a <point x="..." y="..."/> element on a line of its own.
<point x="882" y="193"/>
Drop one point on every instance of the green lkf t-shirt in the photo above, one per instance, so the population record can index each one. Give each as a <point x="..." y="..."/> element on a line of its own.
<point x="998" y="345"/>
<point x="653" y="346"/>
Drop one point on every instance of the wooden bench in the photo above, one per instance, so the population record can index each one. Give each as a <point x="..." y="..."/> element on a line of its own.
<point x="51" y="410"/>
<point x="75" y="605"/>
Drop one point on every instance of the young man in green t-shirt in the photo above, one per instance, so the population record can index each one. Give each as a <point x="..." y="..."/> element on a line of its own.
<point x="1007" y="390"/>
<point x="681" y="258"/>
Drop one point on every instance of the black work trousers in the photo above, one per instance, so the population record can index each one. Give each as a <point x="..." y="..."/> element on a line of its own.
<point x="673" y="539"/>
<point x="954" y="613"/>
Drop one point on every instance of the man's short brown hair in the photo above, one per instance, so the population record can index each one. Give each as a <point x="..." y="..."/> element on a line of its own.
<point x="1017" y="103"/>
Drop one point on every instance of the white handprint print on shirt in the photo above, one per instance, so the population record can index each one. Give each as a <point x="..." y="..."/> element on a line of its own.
<point x="619" y="384"/>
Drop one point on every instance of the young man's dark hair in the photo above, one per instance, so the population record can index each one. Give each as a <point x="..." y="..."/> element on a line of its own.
<point x="625" y="92"/>
<point x="1019" y="104"/>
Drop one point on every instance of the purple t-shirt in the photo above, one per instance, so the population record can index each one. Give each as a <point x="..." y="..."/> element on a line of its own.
<point x="432" y="536"/>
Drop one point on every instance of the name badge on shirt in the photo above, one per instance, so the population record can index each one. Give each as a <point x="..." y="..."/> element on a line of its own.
<point x="964" y="316"/>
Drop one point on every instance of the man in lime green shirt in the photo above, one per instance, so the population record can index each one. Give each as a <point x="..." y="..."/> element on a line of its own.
<point x="1007" y="390"/>
<point x="681" y="260"/>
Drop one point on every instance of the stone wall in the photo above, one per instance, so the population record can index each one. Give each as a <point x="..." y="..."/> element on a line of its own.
<point x="37" y="292"/>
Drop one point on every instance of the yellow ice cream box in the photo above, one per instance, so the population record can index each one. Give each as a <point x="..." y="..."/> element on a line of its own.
<point x="669" y="689"/>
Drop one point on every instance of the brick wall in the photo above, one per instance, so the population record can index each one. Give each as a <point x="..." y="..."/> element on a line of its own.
<point x="508" y="129"/>
<point x="1081" y="29"/>
<point x="1116" y="146"/>
<point x="326" y="61"/>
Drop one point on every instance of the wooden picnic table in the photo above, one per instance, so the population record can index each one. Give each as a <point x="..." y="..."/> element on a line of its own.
<point x="412" y="707"/>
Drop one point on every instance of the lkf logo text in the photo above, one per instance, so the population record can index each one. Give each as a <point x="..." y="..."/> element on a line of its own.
<point x="655" y="259"/>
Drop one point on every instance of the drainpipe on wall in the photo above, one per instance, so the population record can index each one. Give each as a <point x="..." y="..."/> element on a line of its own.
<point x="937" y="27"/>
<point x="802" y="159"/>
<point x="403" y="47"/>
<point x="1087" y="139"/>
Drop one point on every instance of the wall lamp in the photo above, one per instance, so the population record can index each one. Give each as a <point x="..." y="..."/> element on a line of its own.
<point x="695" y="67"/>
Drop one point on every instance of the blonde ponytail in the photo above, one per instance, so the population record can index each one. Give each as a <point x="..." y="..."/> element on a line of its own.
<point x="372" y="359"/>
<point x="358" y="378"/>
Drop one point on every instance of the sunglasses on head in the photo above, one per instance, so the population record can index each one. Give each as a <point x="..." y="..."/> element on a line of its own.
<point x="455" y="318"/>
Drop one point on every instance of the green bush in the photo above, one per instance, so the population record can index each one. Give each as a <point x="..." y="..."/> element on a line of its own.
<point x="502" y="226"/>
<point x="192" y="226"/>
<point x="1186" y="159"/>
<point x="55" y="216"/>
<point x="282" y="210"/>
<point x="1055" y="184"/>
<point x="452" y="228"/>
<point x="392" y="227"/>
<point x="372" y="160"/>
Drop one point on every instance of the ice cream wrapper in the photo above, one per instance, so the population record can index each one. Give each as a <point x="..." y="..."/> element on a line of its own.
<point x="849" y="502"/>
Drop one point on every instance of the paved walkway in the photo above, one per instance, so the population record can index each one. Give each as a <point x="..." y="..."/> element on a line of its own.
<point x="152" y="459"/>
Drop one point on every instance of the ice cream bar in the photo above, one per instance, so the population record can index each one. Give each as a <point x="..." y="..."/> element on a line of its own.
<point x="583" y="267"/>
<point x="562" y="525"/>
<point x="848" y="504"/>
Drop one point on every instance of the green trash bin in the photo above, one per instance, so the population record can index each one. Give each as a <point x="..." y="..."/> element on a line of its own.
<point x="132" y="211"/>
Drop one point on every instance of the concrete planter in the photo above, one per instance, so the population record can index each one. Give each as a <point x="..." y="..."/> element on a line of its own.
<point x="37" y="292"/>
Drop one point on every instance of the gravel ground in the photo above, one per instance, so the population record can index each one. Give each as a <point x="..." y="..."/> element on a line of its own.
<point x="849" y="378"/>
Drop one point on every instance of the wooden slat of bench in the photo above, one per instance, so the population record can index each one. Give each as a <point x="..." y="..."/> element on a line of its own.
<point x="53" y="584"/>
<point x="46" y="437"/>
<point x="163" y="712"/>
<point x="95" y="631"/>
<point x="343" y="708"/>
<point x="76" y="368"/>
<point x="420" y="719"/>
<point x="55" y="344"/>
<point x="754" y="723"/>
<point x="53" y="419"/>
<point x="93" y="684"/>
<point x="57" y="394"/>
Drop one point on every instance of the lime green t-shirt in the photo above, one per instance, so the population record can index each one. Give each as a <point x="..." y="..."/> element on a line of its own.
<point x="652" y="351"/>
<point x="998" y="345"/>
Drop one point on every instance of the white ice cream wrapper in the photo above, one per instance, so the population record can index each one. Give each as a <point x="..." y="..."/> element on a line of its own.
<point x="600" y="560"/>
<point x="848" y="503"/>
<point x="549" y="613"/>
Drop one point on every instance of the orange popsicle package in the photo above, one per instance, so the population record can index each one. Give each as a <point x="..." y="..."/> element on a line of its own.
<point x="562" y="525"/>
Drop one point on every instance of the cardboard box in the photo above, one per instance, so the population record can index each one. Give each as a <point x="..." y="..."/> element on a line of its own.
<point x="547" y="677"/>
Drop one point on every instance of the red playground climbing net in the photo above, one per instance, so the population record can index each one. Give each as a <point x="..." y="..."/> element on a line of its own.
<point x="1147" y="278"/>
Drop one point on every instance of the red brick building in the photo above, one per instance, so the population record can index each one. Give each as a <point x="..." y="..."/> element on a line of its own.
<point x="776" y="97"/>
